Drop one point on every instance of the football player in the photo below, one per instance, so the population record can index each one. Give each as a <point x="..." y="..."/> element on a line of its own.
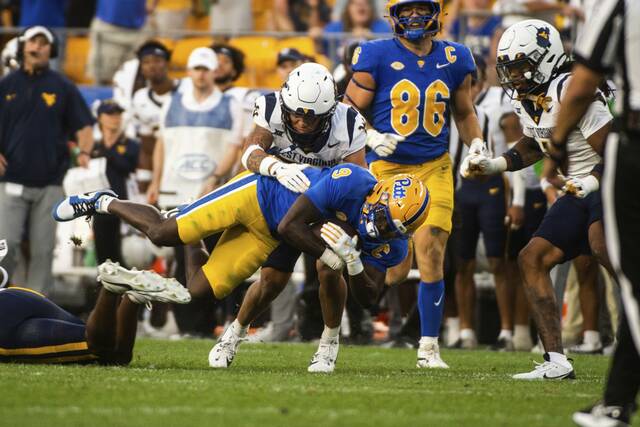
<point x="531" y="66"/>
<point x="301" y="125"/>
<point x="35" y="330"/>
<point x="251" y="208"/>
<point x="412" y="83"/>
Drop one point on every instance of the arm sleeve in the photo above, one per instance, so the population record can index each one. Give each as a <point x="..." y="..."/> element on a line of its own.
<point x="365" y="59"/>
<point x="78" y="114"/>
<point x="597" y="48"/>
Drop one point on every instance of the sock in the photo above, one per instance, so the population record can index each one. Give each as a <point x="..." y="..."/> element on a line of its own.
<point x="453" y="329"/>
<point x="467" y="334"/>
<point x="506" y="334"/>
<point x="558" y="358"/>
<point x="330" y="333"/>
<point x="521" y="330"/>
<point x="238" y="329"/>
<point x="430" y="307"/>
<point x="591" y="337"/>
<point x="103" y="203"/>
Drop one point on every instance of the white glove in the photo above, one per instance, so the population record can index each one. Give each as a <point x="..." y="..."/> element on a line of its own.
<point x="331" y="260"/>
<point x="291" y="176"/>
<point x="478" y="164"/>
<point x="344" y="246"/>
<point x="478" y="147"/>
<point x="384" y="144"/>
<point x="581" y="187"/>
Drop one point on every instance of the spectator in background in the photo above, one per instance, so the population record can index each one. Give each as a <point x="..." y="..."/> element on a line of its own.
<point x="115" y="34"/>
<point x="475" y="31"/>
<point x="40" y="111"/>
<point x="288" y="59"/>
<point x="301" y="16"/>
<point x="80" y="13"/>
<point x="518" y="10"/>
<point x="360" y="19"/>
<point x="147" y="103"/>
<point x="50" y="13"/>
<point x="231" y="15"/>
<point x="122" y="158"/>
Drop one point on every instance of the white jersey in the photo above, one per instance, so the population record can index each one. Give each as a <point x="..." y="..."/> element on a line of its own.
<point x="539" y="125"/>
<point x="196" y="136"/>
<point x="347" y="134"/>
<point x="246" y="98"/>
<point x="146" y="109"/>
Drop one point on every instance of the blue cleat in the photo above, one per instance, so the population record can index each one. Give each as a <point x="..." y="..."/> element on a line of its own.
<point x="73" y="207"/>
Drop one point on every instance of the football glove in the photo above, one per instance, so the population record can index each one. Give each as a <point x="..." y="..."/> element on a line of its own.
<point x="344" y="246"/>
<point x="478" y="148"/>
<point x="291" y="176"/>
<point x="581" y="187"/>
<point x="479" y="164"/>
<point x="384" y="144"/>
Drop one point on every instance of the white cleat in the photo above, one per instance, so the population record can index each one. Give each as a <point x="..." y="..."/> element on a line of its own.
<point x="324" y="360"/>
<point x="587" y="348"/>
<point x="173" y="292"/>
<point x="119" y="280"/>
<point x="548" y="371"/>
<point x="429" y="356"/>
<point x="86" y="204"/>
<point x="223" y="353"/>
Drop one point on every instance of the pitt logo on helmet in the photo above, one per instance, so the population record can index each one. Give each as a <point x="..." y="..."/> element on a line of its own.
<point x="414" y="19"/>
<point x="395" y="208"/>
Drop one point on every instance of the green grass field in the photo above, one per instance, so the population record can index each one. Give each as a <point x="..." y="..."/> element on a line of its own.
<point x="170" y="384"/>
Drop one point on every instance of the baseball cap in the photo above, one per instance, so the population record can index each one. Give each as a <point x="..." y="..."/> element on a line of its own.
<point x="290" y="54"/>
<point x="153" y="47"/>
<point x="202" y="57"/>
<point x="31" y="32"/>
<point x="109" y="106"/>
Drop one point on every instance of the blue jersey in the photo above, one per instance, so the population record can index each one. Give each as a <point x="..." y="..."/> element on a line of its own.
<point x="413" y="94"/>
<point x="337" y="192"/>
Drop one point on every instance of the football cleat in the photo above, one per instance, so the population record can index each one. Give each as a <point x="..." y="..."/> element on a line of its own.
<point x="587" y="348"/>
<point x="119" y="280"/>
<point x="548" y="370"/>
<point x="600" y="415"/>
<point x="223" y="353"/>
<point x="73" y="207"/>
<point x="324" y="360"/>
<point x="429" y="356"/>
<point x="173" y="292"/>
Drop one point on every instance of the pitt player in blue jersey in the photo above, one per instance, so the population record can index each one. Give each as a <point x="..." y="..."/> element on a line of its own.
<point x="413" y="83"/>
<point x="252" y="209"/>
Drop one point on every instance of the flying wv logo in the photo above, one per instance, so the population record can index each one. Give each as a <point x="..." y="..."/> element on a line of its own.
<point x="542" y="37"/>
<point x="399" y="188"/>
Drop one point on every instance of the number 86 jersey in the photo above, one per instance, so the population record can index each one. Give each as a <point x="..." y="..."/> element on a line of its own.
<point x="413" y="93"/>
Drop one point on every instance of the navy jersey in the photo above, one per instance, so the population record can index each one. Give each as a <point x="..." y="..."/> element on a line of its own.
<point x="413" y="94"/>
<point x="337" y="192"/>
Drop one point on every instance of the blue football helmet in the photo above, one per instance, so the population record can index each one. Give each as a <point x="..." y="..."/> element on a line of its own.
<point x="416" y="27"/>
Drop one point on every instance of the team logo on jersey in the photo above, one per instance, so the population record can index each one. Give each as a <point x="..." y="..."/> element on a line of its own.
<point x="10" y="96"/>
<point x="121" y="149"/>
<point x="399" y="188"/>
<point x="340" y="173"/>
<point x="49" y="98"/>
<point x="397" y="65"/>
<point x="381" y="250"/>
<point x="420" y="63"/>
<point x="542" y="38"/>
<point x="493" y="191"/>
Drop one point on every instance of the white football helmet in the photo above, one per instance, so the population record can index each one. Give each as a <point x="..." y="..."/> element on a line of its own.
<point x="309" y="91"/>
<point x="529" y="55"/>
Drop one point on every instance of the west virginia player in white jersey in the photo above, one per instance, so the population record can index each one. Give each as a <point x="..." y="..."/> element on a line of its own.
<point x="413" y="83"/>
<point x="530" y="66"/>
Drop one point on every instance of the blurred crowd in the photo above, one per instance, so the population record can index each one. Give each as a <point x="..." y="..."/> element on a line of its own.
<point x="127" y="138"/>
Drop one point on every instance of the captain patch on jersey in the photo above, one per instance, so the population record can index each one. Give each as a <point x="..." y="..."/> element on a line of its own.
<point x="346" y="137"/>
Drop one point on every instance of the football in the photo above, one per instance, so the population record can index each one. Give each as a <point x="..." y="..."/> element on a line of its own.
<point x="315" y="228"/>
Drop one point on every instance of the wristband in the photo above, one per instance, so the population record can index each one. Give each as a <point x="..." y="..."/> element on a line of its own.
<point x="143" y="175"/>
<point x="331" y="259"/>
<point x="354" y="268"/>
<point x="265" y="165"/>
<point x="476" y="141"/>
<point x="250" y="149"/>
<point x="544" y="184"/>
<point x="515" y="160"/>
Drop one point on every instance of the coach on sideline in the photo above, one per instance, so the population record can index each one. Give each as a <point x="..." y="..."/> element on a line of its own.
<point x="40" y="111"/>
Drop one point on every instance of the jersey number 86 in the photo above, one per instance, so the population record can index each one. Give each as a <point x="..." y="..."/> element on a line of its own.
<point x="405" y="103"/>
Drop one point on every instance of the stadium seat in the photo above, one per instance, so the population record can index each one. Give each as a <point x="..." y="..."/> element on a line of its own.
<point x="195" y="23"/>
<point x="75" y="59"/>
<point x="269" y="81"/>
<point x="183" y="48"/>
<point x="303" y="44"/>
<point x="260" y="52"/>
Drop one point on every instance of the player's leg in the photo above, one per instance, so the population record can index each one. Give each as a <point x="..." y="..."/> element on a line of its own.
<point x="333" y="297"/>
<point x="430" y="245"/>
<point x="587" y="270"/>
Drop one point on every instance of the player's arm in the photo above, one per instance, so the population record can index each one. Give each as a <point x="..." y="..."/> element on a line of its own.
<point x="295" y="229"/>
<point x="158" y="165"/>
<point x="357" y="158"/>
<point x="367" y="286"/>
<point x="525" y="153"/>
<point x="466" y="119"/>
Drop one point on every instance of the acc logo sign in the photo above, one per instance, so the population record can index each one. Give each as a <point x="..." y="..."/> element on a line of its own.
<point x="399" y="188"/>
<point x="340" y="173"/>
<point x="194" y="166"/>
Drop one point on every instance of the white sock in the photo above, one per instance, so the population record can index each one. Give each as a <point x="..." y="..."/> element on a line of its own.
<point x="453" y="324"/>
<point x="330" y="333"/>
<point x="522" y="330"/>
<point x="591" y="337"/>
<point x="428" y="340"/>
<point x="506" y="334"/>
<point x="103" y="204"/>
<point x="467" y="334"/>
<point x="238" y="329"/>
<point x="558" y="358"/>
